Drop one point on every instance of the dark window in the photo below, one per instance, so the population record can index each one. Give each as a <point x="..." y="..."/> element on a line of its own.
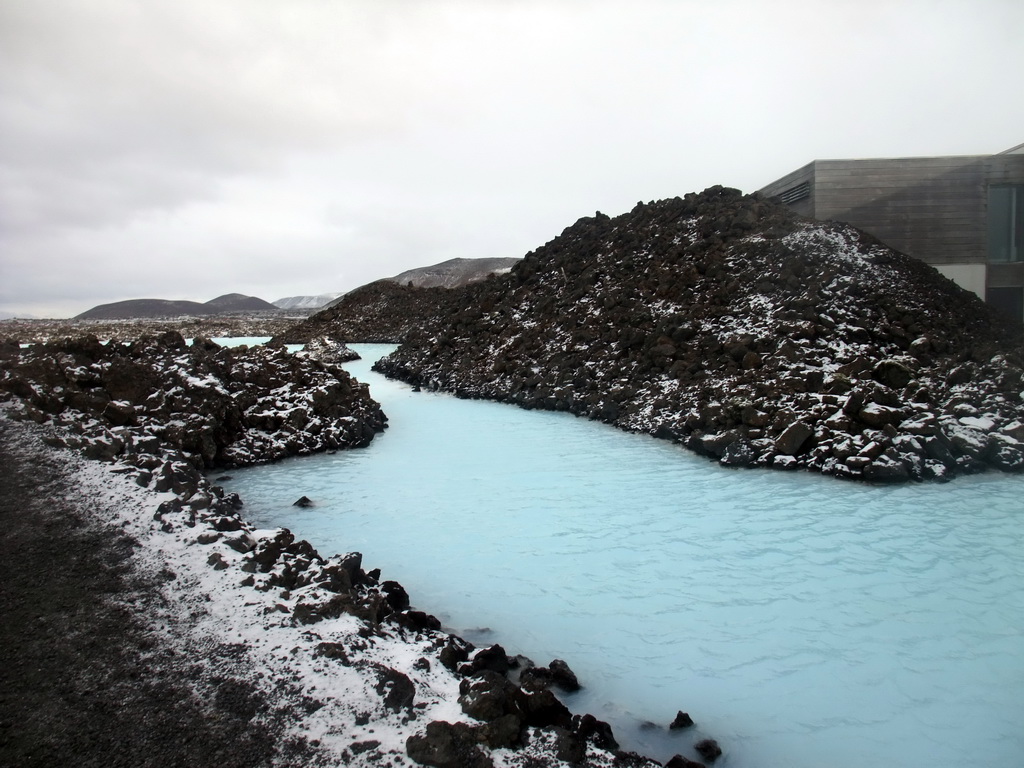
<point x="1010" y="301"/>
<point x="799" y="192"/>
<point x="1006" y="222"/>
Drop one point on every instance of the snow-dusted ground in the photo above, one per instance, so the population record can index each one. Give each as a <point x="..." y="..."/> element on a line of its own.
<point x="206" y="606"/>
<point x="350" y="690"/>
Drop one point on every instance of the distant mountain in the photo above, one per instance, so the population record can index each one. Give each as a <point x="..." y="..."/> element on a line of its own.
<point x="123" y="310"/>
<point x="306" y="302"/>
<point x="236" y="302"/>
<point x="151" y="308"/>
<point x="454" y="272"/>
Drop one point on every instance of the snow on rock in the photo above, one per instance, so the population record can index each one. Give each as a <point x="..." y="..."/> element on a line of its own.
<point x="727" y="323"/>
<point x="329" y="351"/>
<point x="221" y="406"/>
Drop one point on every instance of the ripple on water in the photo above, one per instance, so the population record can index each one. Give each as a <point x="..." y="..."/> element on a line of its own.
<point x="803" y="621"/>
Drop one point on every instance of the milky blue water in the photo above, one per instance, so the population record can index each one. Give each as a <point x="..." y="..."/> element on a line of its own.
<point x="801" y="621"/>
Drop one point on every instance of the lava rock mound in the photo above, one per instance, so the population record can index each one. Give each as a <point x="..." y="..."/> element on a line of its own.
<point x="380" y="312"/>
<point x="756" y="337"/>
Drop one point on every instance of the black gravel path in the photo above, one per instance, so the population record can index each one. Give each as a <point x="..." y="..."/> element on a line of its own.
<point x="83" y="682"/>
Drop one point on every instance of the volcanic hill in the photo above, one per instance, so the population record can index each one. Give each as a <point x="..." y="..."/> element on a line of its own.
<point x="454" y="272"/>
<point x="386" y="310"/>
<point x="749" y="334"/>
<point x="162" y="308"/>
<point x="382" y="311"/>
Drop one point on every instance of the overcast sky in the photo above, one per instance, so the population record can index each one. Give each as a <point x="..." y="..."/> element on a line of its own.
<point x="183" y="149"/>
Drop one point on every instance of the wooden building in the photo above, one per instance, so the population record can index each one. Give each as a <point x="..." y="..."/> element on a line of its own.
<point x="964" y="215"/>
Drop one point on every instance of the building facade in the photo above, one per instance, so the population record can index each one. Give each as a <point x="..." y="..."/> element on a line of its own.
<point x="964" y="215"/>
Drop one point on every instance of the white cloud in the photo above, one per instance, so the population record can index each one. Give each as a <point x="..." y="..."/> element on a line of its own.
<point x="187" y="149"/>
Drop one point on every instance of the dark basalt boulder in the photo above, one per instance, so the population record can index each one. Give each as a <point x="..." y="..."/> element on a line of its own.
<point x="334" y="651"/>
<point x="892" y="373"/>
<point x="793" y="438"/>
<point x="592" y="729"/>
<point x="359" y="747"/>
<point x="329" y="351"/>
<point x="395" y="688"/>
<point x="454" y="652"/>
<point x="9" y="349"/>
<point x="708" y="749"/>
<point x="489" y="695"/>
<point x="563" y="677"/>
<point x="417" y="621"/>
<point x="682" y="720"/>
<point x="557" y="673"/>
<point x="447" y="745"/>
<point x="570" y="746"/>
<point x="505" y="732"/>
<point x="543" y="709"/>
<point x="740" y="453"/>
<point x="492" y="659"/>
<point x="678" y="761"/>
<point x="395" y="595"/>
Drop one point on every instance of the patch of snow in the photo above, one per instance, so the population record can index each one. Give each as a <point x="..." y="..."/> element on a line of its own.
<point x="984" y="423"/>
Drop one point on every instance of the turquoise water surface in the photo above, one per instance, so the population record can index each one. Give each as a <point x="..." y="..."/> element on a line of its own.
<point x="802" y="621"/>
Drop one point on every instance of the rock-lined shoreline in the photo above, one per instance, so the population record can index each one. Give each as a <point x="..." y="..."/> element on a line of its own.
<point x="729" y="324"/>
<point x="216" y="406"/>
<point x="326" y="663"/>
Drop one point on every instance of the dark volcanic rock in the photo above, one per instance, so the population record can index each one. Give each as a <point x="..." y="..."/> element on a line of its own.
<point x="493" y="659"/>
<point x="216" y="405"/>
<point x="558" y="674"/>
<point x="489" y="695"/>
<point x="388" y="310"/>
<point x="395" y="688"/>
<point x="328" y="351"/>
<point x="383" y="311"/>
<point x="454" y="652"/>
<point x="254" y="324"/>
<point x="682" y="720"/>
<point x="793" y="438"/>
<point x="708" y="749"/>
<point x="598" y="731"/>
<point x="753" y="336"/>
<point x="447" y="745"/>
<point x="678" y="761"/>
